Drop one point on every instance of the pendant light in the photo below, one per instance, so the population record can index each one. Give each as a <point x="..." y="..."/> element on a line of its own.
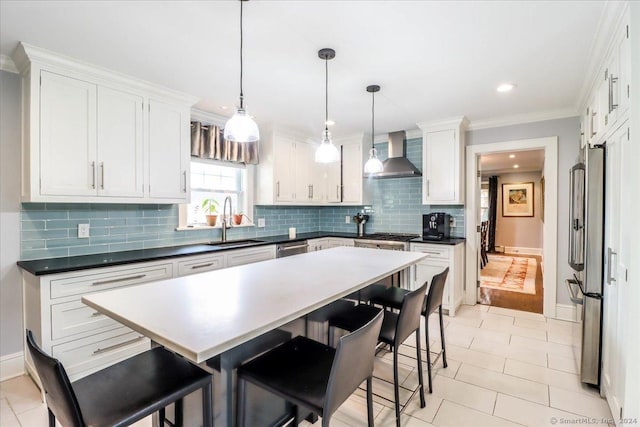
<point x="241" y="127"/>
<point x="327" y="152"/>
<point x="373" y="165"/>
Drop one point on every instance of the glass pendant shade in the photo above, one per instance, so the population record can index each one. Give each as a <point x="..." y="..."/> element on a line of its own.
<point x="327" y="152"/>
<point x="241" y="128"/>
<point x="373" y="165"/>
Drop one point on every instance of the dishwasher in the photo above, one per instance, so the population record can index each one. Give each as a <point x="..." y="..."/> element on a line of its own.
<point x="291" y="248"/>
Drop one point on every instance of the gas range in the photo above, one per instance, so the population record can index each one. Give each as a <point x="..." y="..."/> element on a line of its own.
<point x="392" y="241"/>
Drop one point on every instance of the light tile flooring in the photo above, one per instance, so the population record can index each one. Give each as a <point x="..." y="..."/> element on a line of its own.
<point x="505" y="367"/>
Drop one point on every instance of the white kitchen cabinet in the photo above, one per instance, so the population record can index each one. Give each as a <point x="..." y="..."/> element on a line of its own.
<point x="332" y="183"/>
<point x="352" y="169"/>
<point x="441" y="257"/>
<point x="169" y="142"/>
<point x="200" y="264"/>
<point x="287" y="173"/>
<point x="335" y="242"/>
<point x="94" y="136"/>
<point x="120" y="133"/>
<point x="249" y="255"/>
<point x="83" y="339"/>
<point x="317" y="244"/>
<point x="443" y="153"/>
<point x="67" y="136"/>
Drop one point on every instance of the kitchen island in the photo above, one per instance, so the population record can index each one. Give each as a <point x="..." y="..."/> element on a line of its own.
<point x="205" y="315"/>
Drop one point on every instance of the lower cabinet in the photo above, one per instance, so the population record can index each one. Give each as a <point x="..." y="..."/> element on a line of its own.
<point x="85" y="340"/>
<point x="441" y="257"/>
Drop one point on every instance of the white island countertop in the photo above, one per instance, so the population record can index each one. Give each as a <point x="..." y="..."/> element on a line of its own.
<point x="203" y="315"/>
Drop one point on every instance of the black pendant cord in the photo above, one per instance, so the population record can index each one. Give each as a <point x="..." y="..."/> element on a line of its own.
<point x="241" y="43"/>
<point x="373" y="112"/>
<point x="326" y="94"/>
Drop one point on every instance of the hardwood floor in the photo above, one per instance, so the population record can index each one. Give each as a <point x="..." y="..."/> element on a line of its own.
<point x="516" y="300"/>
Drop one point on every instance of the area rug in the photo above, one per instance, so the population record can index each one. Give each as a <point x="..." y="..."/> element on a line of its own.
<point x="506" y="273"/>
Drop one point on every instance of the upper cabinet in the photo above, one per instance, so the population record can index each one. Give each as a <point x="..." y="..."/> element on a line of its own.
<point x="288" y="174"/>
<point x="95" y="136"/>
<point x="443" y="154"/>
<point x="607" y="105"/>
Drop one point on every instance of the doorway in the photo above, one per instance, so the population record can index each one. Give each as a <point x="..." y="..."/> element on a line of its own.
<point x="542" y="280"/>
<point x="511" y="230"/>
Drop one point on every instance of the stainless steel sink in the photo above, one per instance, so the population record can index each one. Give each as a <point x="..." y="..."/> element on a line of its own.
<point x="235" y="243"/>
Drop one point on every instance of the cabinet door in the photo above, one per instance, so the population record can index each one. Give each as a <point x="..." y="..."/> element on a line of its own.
<point x="168" y="151"/>
<point x="352" y="173"/>
<point x="318" y="177"/>
<point x="67" y="136"/>
<point x="120" y="132"/>
<point x="424" y="272"/>
<point x="333" y="182"/>
<point x="304" y="172"/>
<point x="621" y="87"/>
<point x="283" y="168"/>
<point x="440" y="167"/>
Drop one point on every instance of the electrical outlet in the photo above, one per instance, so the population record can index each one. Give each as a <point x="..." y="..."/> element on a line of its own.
<point x="261" y="222"/>
<point x="452" y="223"/>
<point x="83" y="231"/>
<point x="347" y="219"/>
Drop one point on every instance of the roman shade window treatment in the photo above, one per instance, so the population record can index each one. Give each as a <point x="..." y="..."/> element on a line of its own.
<point x="207" y="142"/>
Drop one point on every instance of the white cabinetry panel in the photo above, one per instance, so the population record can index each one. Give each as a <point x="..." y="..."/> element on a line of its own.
<point x="67" y="136"/>
<point x="120" y="134"/>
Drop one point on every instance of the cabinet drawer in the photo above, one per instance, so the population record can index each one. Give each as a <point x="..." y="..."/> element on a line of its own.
<point x="434" y="251"/>
<point x="248" y="256"/>
<point x="84" y="284"/>
<point x="74" y="317"/>
<point x="86" y="355"/>
<point x="200" y="265"/>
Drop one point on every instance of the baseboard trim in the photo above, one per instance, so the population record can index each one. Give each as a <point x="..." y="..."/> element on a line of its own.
<point x="523" y="251"/>
<point x="568" y="312"/>
<point x="11" y="365"/>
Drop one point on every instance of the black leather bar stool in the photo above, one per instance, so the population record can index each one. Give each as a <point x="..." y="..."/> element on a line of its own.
<point x="124" y="393"/>
<point x="393" y="298"/>
<point x="313" y="375"/>
<point x="396" y="328"/>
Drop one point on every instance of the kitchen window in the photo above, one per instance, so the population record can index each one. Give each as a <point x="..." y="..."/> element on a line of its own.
<point x="217" y="180"/>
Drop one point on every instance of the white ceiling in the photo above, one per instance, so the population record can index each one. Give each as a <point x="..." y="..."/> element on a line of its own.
<point x="527" y="161"/>
<point x="433" y="59"/>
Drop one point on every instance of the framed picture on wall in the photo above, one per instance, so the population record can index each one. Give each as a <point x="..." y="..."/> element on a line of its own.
<point x="517" y="199"/>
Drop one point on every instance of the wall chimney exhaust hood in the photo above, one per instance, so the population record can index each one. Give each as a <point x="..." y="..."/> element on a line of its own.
<point x="397" y="165"/>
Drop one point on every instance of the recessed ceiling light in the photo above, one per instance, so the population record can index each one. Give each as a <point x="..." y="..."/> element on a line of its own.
<point x="505" y="87"/>
<point x="330" y="123"/>
<point x="516" y="166"/>
<point x="224" y="107"/>
<point x="512" y="156"/>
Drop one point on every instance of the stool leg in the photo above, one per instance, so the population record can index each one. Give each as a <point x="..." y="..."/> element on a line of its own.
<point x="420" y="379"/>
<point x="177" y="416"/>
<point x="207" y="405"/>
<point x="240" y="402"/>
<point x="444" y="351"/>
<point x="161" y="417"/>
<point x="426" y="335"/>
<point x="329" y="334"/>
<point x="52" y="419"/>
<point x="396" y="389"/>
<point x="369" y="402"/>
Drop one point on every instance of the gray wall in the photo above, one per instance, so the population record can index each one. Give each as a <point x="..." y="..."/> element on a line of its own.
<point x="520" y="231"/>
<point x="10" y="279"/>
<point x="568" y="133"/>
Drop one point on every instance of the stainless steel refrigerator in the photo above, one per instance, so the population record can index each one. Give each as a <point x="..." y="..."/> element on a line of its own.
<point x="586" y="255"/>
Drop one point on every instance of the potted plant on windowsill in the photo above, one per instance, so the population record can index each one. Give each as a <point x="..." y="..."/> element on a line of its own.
<point x="210" y="207"/>
<point x="237" y="218"/>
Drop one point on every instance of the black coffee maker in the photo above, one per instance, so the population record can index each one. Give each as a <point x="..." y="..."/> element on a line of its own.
<point x="436" y="226"/>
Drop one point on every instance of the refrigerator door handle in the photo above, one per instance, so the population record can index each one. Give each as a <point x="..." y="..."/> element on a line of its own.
<point x="610" y="254"/>
<point x="586" y="294"/>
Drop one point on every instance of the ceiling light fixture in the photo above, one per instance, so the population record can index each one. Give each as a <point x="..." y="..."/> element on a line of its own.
<point x="241" y="127"/>
<point x="516" y="166"/>
<point x="329" y="123"/>
<point x="512" y="156"/>
<point x="373" y="165"/>
<point x="505" y="87"/>
<point x="327" y="152"/>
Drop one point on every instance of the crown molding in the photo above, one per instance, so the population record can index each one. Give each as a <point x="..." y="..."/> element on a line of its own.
<point x="430" y="125"/>
<point x="517" y="119"/>
<point x="7" y="64"/>
<point x="612" y="15"/>
<point x="208" y="117"/>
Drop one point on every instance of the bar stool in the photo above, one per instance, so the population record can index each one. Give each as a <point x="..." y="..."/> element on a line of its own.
<point x="313" y="375"/>
<point x="124" y="393"/>
<point x="396" y="328"/>
<point x="393" y="297"/>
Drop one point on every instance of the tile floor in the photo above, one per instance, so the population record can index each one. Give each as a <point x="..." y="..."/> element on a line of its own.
<point x="505" y="367"/>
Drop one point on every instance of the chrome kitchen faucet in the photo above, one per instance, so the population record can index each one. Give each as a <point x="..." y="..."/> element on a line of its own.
<point x="226" y="219"/>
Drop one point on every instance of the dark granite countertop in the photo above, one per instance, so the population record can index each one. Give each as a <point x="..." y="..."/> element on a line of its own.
<point x="451" y="241"/>
<point x="40" y="267"/>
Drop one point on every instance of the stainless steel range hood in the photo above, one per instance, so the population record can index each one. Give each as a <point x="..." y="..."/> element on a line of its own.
<point x="397" y="165"/>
